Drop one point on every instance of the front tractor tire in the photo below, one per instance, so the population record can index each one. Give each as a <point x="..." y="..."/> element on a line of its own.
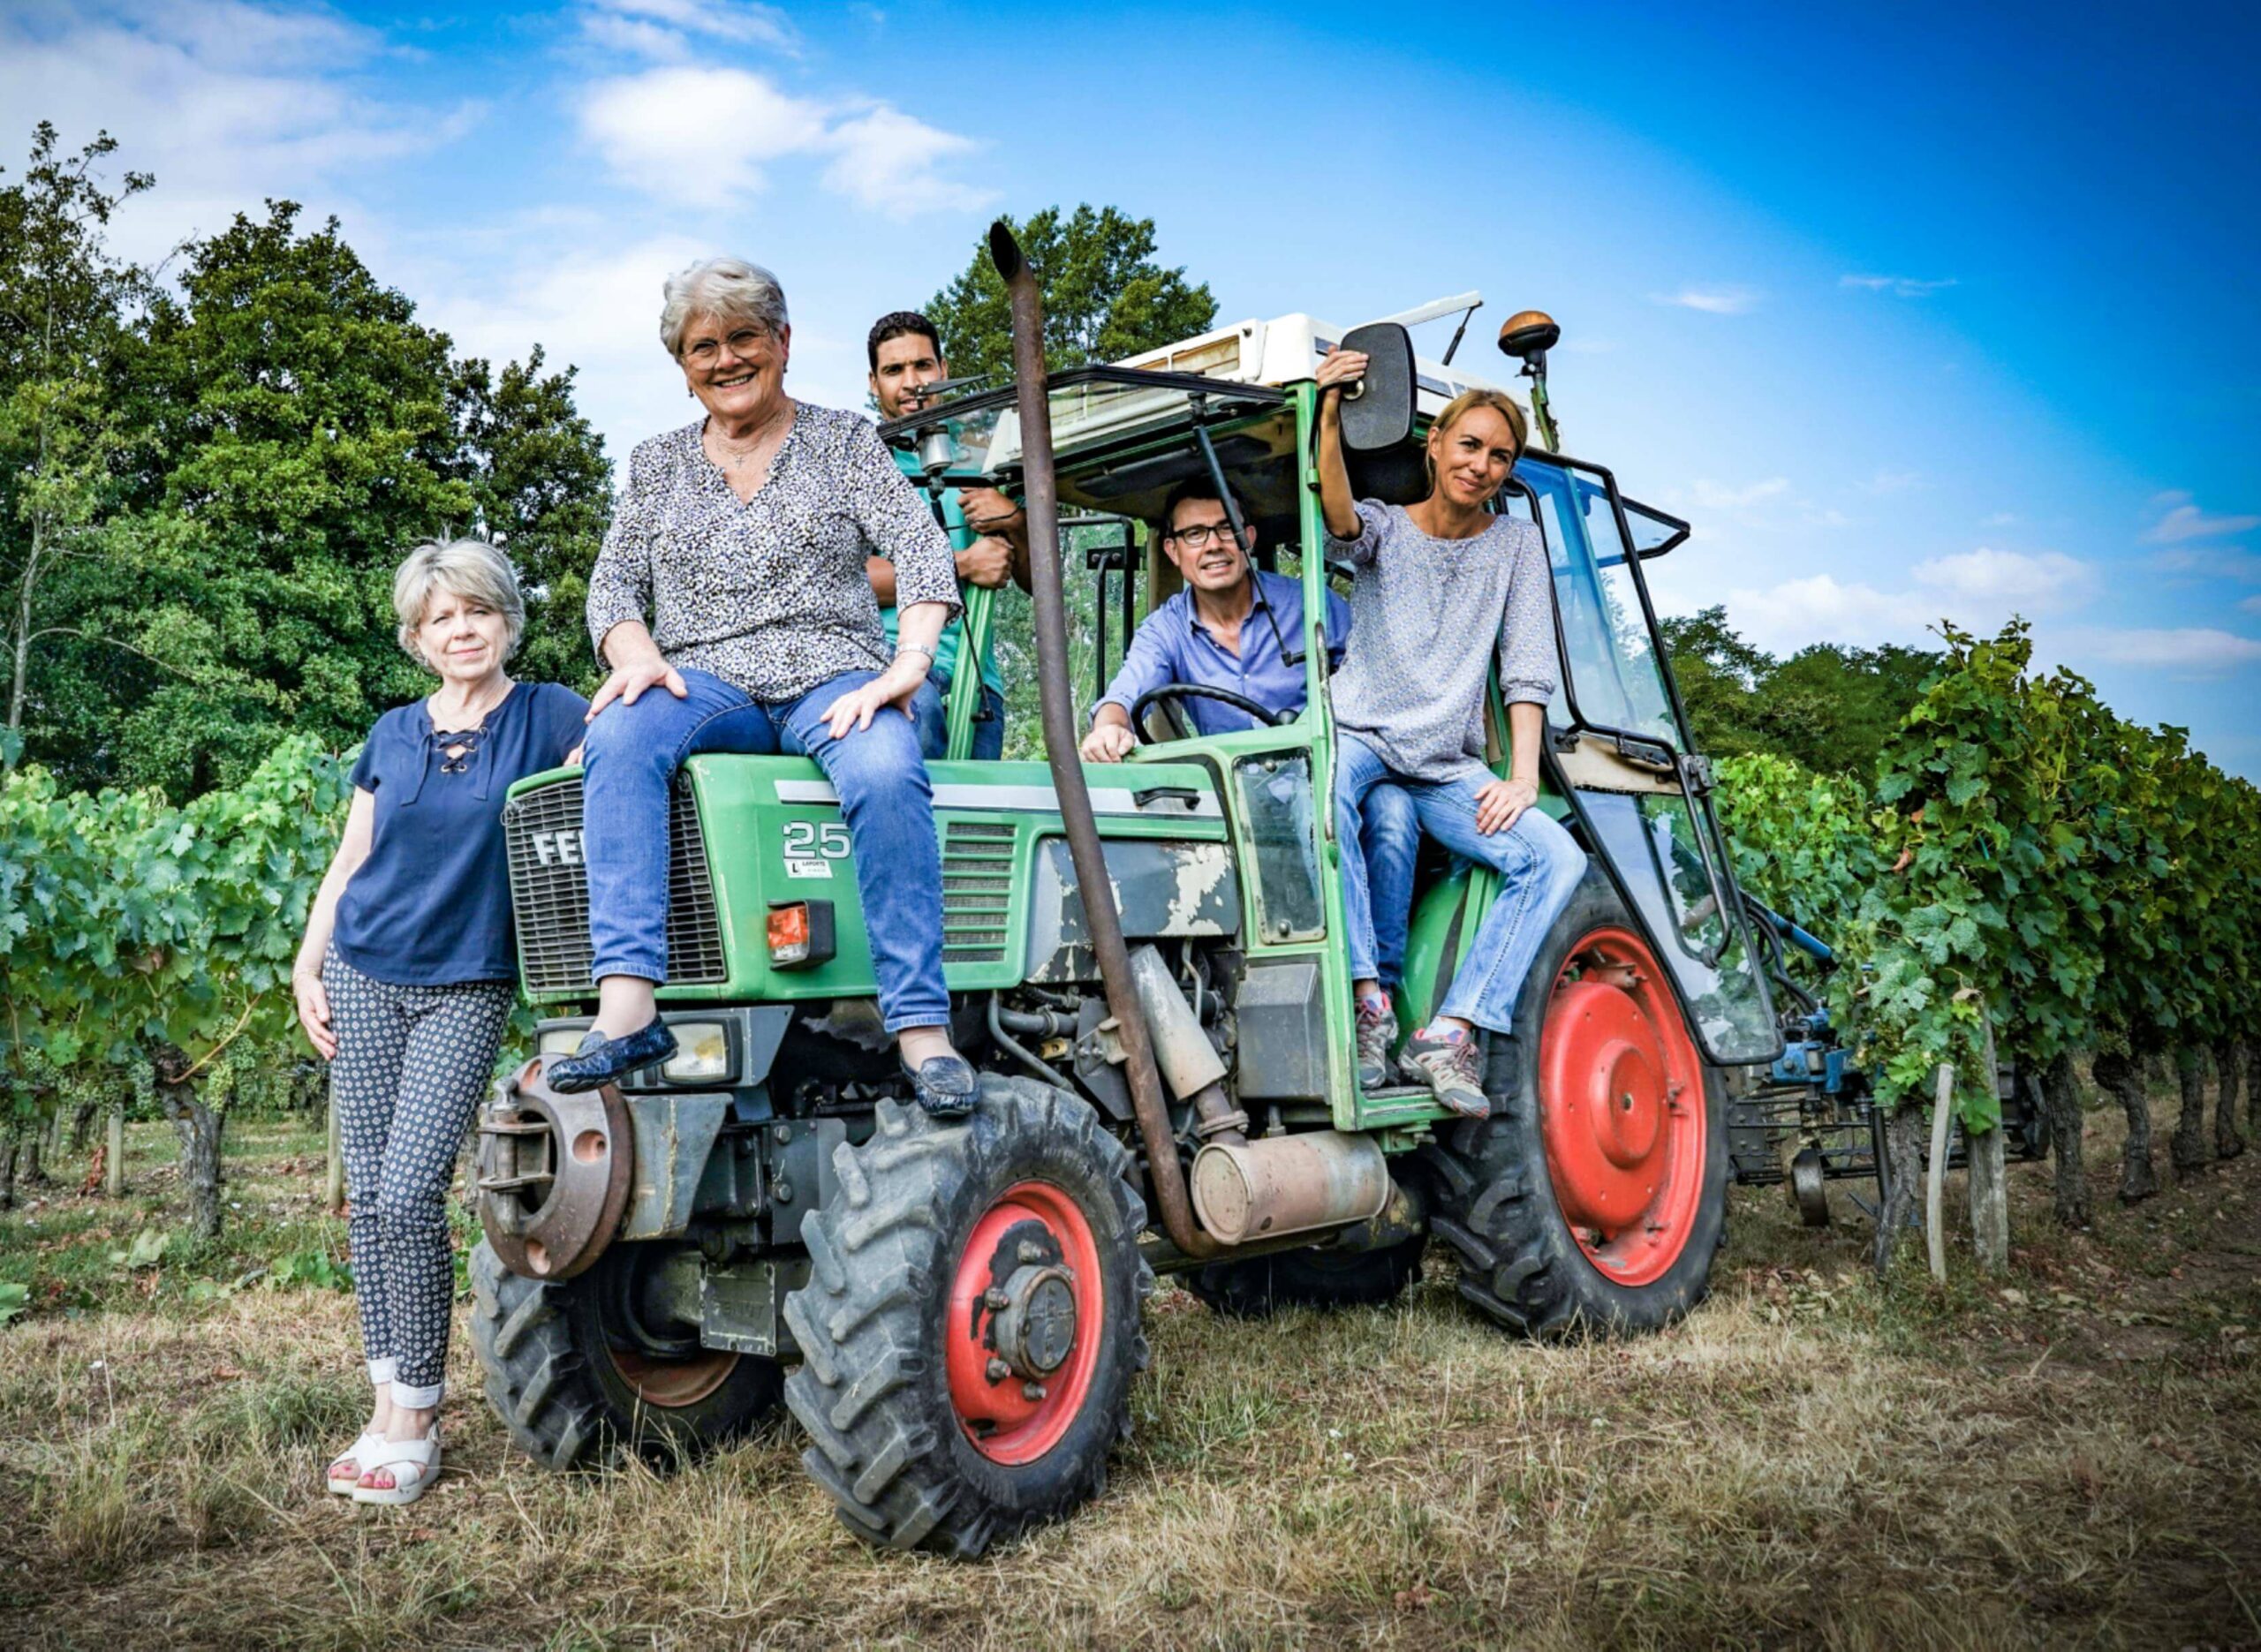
<point x="579" y="1376"/>
<point x="1594" y="1198"/>
<point x="970" y="1328"/>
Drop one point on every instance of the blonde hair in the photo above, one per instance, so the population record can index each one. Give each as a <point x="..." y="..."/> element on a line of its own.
<point x="469" y="569"/>
<point x="1466" y="403"/>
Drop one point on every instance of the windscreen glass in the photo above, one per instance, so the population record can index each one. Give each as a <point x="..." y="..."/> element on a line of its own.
<point x="1611" y="677"/>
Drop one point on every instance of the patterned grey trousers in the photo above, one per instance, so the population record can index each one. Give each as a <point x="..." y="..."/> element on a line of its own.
<point x="412" y="1063"/>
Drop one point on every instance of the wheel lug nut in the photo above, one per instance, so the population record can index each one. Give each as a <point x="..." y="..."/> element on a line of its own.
<point x="1031" y="1251"/>
<point x="994" y="1298"/>
<point x="1032" y="1391"/>
<point x="999" y="1370"/>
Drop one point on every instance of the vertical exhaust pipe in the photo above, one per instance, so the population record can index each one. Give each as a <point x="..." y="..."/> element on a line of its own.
<point x="1084" y="852"/>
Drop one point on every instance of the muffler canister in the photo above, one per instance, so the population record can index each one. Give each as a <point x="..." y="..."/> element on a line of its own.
<point x="1288" y="1184"/>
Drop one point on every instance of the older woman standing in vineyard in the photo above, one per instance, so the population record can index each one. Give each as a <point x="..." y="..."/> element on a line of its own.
<point x="405" y="977"/>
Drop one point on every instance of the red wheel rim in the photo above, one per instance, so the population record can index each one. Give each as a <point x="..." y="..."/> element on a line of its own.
<point x="1620" y="1108"/>
<point x="669" y="1385"/>
<point x="1017" y="1416"/>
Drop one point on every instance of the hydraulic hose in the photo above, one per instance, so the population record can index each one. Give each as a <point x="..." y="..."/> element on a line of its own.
<point x="1042" y="502"/>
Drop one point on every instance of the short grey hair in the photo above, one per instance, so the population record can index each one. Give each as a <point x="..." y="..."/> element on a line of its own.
<point x="728" y="289"/>
<point x="469" y="569"/>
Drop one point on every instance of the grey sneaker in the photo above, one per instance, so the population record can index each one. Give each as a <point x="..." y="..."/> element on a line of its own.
<point x="1452" y="1066"/>
<point x="1377" y="1031"/>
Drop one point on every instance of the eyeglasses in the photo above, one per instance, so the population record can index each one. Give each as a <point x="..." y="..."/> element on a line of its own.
<point x="743" y="343"/>
<point x="1201" y="535"/>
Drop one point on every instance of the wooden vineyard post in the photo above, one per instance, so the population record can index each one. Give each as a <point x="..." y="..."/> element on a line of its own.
<point x="114" y="1147"/>
<point x="333" y="1178"/>
<point x="1935" y="1178"/>
<point x="1990" y="1193"/>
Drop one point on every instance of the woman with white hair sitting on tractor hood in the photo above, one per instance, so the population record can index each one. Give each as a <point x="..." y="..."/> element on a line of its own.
<point x="733" y="604"/>
<point x="406" y="975"/>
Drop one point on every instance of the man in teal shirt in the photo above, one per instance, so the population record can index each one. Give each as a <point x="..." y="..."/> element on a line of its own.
<point x="987" y="530"/>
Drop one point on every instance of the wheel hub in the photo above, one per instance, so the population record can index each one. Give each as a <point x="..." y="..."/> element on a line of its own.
<point x="1023" y="1326"/>
<point x="1622" y="1108"/>
<point x="1036" y="1329"/>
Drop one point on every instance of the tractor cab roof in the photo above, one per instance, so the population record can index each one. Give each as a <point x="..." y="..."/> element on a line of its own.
<point x="1122" y="434"/>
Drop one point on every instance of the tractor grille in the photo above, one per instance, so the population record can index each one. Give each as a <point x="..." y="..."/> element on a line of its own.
<point x="977" y="889"/>
<point x="549" y="891"/>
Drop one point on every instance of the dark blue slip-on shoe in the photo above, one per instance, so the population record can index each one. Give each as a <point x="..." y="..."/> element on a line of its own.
<point x="601" y="1060"/>
<point x="944" y="1084"/>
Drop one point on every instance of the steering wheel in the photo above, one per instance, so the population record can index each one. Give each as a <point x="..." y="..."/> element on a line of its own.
<point x="1262" y="714"/>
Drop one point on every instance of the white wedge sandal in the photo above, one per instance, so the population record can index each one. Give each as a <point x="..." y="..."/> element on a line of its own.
<point x="360" y="1453"/>
<point x="414" y="1465"/>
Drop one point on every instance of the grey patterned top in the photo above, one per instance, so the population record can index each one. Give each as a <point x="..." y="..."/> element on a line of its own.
<point x="1426" y="616"/>
<point x="769" y="595"/>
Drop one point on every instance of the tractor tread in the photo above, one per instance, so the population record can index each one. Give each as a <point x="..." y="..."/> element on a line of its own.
<point x="882" y="1435"/>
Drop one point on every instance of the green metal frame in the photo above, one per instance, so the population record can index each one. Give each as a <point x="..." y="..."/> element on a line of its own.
<point x="745" y="807"/>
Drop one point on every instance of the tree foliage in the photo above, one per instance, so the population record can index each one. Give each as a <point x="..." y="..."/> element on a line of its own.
<point x="237" y="459"/>
<point x="2022" y="855"/>
<point x="1826" y="707"/>
<point x="1105" y="295"/>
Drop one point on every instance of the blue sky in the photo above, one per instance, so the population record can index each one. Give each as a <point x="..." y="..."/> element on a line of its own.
<point x="1914" y="311"/>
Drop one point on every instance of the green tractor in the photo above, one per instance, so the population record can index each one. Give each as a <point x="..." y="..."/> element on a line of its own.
<point x="1146" y="961"/>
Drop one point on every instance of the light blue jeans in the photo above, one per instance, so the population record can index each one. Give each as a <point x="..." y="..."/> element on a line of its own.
<point x="631" y="757"/>
<point x="1540" y="865"/>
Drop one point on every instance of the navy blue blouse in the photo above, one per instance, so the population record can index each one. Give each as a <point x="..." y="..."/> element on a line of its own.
<point x="431" y="906"/>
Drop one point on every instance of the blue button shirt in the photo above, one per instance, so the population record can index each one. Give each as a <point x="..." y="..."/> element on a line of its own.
<point x="431" y="906"/>
<point x="1174" y="646"/>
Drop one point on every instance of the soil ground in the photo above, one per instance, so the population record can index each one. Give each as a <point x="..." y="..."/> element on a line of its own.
<point x="2070" y="1455"/>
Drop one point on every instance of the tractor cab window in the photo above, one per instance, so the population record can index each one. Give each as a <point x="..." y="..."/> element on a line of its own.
<point x="1611" y="677"/>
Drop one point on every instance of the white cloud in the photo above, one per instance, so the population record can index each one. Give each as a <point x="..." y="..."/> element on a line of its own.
<point x="2185" y="521"/>
<point x="1718" y="496"/>
<point x="1979" y="588"/>
<point x="227" y="103"/>
<point x="687" y="134"/>
<point x="633" y="37"/>
<point x="2001" y="519"/>
<point x="2032" y="584"/>
<point x="715" y="20"/>
<point x="1820" y="608"/>
<point x="2251" y="605"/>
<point x="1710" y="301"/>
<point x="2188" y="651"/>
<point x="589" y="306"/>
<point x="1893" y="482"/>
<point x="887" y="160"/>
<point x="1898" y="286"/>
<point x="2215" y="562"/>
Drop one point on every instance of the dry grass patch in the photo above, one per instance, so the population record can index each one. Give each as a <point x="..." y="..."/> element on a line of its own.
<point x="2071" y="1455"/>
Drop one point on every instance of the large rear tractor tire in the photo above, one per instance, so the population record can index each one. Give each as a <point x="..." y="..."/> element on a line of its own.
<point x="1594" y="1197"/>
<point x="969" y="1327"/>
<point x="578" y="1375"/>
<point x="1312" y="1276"/>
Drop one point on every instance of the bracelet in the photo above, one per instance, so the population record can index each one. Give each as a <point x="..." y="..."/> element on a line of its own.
<point x="915" y="648"/>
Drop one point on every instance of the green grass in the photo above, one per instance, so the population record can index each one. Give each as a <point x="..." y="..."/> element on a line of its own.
<point x="2070" y="1455"/>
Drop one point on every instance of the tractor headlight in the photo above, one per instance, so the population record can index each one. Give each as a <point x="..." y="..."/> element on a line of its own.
<point x="562" y="1040"/>
<point x="703" y="1054"/>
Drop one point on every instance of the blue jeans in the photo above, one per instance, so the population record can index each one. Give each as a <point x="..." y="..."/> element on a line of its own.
<point x="930" y="715"/>
<point x="631" y="757"/>
<point x="1389" y="830"/>
<point x="1540" y="865"/>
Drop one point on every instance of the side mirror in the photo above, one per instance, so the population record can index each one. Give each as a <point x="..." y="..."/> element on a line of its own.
<point x="1378" y="410"/>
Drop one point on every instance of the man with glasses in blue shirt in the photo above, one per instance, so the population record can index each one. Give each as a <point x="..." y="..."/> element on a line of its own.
<point x="1238" y="627"/>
